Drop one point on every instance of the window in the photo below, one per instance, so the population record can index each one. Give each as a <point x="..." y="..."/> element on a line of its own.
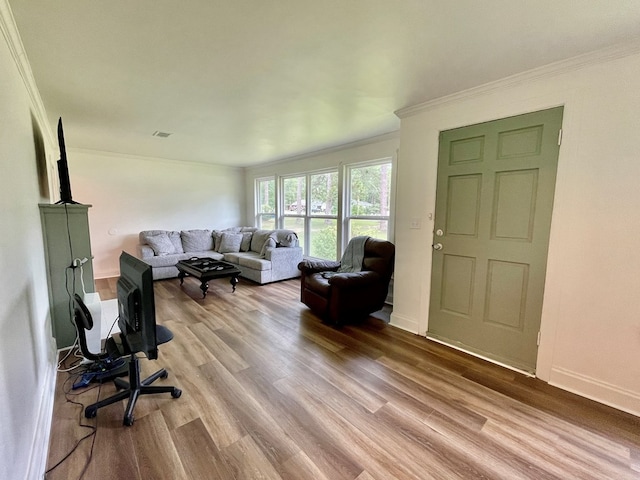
<point x="295" y="195"/>
<point x="329" y="207"/>
<point x="324" y="238"/>
<point x="295" y="201"/>
<point x="323" y="215"/>
<point x="266" y="203"/>
<point x="367" y="211"/>
<point x="310" y="206"/>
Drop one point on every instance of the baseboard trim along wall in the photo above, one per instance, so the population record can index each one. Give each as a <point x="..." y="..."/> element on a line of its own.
<point x="404" y="323"/>
<point x="42" y="433"/>
<point x="583" y="385"/>
<point x="596" y="390"/>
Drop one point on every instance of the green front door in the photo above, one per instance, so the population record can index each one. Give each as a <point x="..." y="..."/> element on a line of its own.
<point x="494" y="202"/>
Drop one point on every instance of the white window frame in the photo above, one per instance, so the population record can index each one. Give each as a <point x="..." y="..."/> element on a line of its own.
<point x="347" y="216"/>
<point x="258" y="208"/>
<point x="343" y="216"/>
<point x="308" y="215"/>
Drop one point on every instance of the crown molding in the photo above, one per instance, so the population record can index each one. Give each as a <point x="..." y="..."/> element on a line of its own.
<point x="11" y="35"/>
<point x="144" y="158"/>
<point x="551" y="70"/>
<point x="395" y="134"/>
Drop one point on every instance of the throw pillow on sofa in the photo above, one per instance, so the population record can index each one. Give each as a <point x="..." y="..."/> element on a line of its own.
<point x="245" y="246"/>
<point x="217" y="237"/>
<point x="176" y="240"/>
<point x="261" y="240"/>
<point x="196" y="240"/>
<point x="161" y="244"/>
<point x="173" y="236"/>
<point x="271" y="242"/>
<point x="230" y="242"/>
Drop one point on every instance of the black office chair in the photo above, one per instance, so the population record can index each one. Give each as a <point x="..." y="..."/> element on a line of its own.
<point x="114" y="349"/>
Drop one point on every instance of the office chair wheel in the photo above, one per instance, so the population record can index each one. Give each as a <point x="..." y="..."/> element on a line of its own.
<point x="90" y="412"/>
<point x="128" y="420"/>
<point x="165" y="374"/>
<point x="176" y="393"/>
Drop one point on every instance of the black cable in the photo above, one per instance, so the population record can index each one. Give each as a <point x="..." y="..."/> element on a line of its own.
<point x="69" y="266"/>
<point x="111" y="329"/>
<point x="94" y="428"/>
<point x="93" y="442"/>
<point x="70" y="292"/>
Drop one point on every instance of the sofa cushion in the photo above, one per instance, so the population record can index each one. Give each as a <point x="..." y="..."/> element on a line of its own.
<point x="232" y="257"/>
<point x="245" y="246"/>
<point x="196" y="240"/>
<point x="206" y="254"/>
<point x="230" y="242"/>
<point x="158" y="261"/>
<point x="259" y="238"/>
<point x="147" y="233"/>
<point x="161" y="244"/>
<point x="248" y="259"/>
<point x="176" y="240"/>
<point x="173" y="236"/>
<point x="255" y="263"/>
<point x="217" y="238"/>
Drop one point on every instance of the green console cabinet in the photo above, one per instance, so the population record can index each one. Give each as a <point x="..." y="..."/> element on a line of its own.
<point x="65" y="229"/>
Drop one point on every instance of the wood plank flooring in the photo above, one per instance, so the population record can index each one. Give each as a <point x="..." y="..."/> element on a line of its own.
<point x="270" y="392"/>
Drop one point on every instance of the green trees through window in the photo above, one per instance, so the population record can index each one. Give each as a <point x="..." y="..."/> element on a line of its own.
<point x="369" y="200"/>
<point x="310" y="201"/>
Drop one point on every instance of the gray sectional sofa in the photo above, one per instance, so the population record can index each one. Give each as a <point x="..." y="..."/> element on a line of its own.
<point x="261" y="255"/>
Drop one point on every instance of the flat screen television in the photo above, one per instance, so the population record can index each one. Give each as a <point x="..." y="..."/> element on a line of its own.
<point x="136" y="306"/>
<point x="63" y="169"/>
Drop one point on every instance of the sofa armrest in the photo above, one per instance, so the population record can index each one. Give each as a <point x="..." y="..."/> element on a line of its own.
<point x="145" y="251"/>
<point x="283" y="254"/>
<point x="354" y="279"/>
<point x="315" y="266"/>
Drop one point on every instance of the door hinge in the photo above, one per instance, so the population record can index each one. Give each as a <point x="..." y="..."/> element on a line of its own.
<point x="559" y="137"/>
<point x="538" y="340"/>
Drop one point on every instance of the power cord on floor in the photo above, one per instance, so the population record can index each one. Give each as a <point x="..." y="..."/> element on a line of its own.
<point x="94" y="428"/>
<point x="73" y="349"/>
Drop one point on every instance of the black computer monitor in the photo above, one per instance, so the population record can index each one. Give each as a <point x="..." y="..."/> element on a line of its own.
<point x="136" y="305"/>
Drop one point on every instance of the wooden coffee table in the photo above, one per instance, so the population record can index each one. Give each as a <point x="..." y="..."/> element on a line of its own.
<point x="205" y="269"/>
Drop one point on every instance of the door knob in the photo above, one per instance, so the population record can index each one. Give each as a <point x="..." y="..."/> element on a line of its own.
<point x="437" y="246"/>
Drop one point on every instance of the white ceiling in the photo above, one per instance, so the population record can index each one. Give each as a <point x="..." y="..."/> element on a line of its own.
<point x="249" y="81"/>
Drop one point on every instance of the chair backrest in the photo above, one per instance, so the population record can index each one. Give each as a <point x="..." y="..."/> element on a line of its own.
<point x="84" y="321"/>
<point x="379" y="256"/>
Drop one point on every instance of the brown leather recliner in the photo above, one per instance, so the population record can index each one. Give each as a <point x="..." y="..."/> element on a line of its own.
<point x="342" y="297"/>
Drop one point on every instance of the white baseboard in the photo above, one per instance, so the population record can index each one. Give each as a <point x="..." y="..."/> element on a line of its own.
<point x="596" y="390"/>
<point x="404" y="323"/>
<point x="585" y="386"/>
<point x="42" y="433"/>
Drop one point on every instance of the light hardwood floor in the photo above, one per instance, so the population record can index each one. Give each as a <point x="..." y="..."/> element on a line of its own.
<point x="270" y="392"/>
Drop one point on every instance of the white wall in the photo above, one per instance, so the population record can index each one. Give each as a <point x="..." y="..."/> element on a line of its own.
<point x="129" y="194"/>
<point x="591" y="313"/>
<point x="27" y="349"/>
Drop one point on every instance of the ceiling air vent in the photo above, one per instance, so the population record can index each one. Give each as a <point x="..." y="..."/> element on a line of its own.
<point x="160" y="134"/>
